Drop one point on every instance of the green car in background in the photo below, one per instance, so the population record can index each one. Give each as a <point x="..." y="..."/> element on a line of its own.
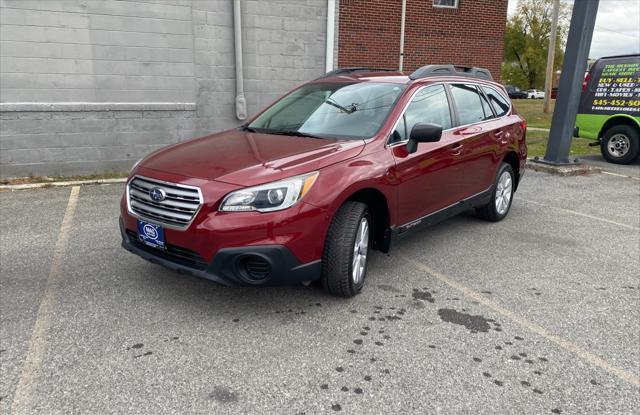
<point x="609" y="108"/>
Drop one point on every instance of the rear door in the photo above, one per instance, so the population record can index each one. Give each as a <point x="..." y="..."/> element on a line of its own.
<point x="478" y="137"/>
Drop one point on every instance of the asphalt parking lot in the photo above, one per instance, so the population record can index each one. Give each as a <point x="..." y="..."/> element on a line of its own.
<point x="537" y="314"/>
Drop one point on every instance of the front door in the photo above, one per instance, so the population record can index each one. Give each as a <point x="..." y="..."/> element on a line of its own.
<point x="426" y="179"/>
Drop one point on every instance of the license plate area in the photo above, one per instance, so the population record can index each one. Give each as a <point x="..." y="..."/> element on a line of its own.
<point x="151" y="234"/>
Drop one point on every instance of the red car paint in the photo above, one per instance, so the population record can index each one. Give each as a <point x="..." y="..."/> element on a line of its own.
<point x="463" y="163"/>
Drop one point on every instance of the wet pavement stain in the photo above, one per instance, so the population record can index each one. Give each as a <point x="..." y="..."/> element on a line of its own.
<point x="136" y="346"/>
<point x="556" y="411"/>
<point x="143" y="354"/>
<point x="324" y="386"/>
<point x="336" y="407"/>
<point x="471" y="322"/>
<point x="358" y="391"/>
<point x="223" y="394"/>
<point x="498" y="382"/>
<point x="422" y="295"/>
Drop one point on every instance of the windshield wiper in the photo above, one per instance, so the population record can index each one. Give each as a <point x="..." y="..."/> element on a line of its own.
<point x="245" y="127"/>
<point x="292" y="133"/>
<point x="352" y="108"/>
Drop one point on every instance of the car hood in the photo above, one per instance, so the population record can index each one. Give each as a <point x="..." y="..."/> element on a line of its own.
<point x="246" y="159"/>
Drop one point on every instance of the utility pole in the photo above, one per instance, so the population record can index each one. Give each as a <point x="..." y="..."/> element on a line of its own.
<point x="548" y="81"/>
<point x="583" y="21"/>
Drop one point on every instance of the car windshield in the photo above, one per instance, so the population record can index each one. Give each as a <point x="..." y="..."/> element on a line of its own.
<point x="330" y="110"/>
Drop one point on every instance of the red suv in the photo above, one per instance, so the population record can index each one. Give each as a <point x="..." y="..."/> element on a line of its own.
<point x="338" y="166"/>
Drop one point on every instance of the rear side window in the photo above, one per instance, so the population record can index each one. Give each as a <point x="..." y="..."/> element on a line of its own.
<point x="497" y="100"/>
<point x="430" y="105"/>
<point x="468" y="104"/>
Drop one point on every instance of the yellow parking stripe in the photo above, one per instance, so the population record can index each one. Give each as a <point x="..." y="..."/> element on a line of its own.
<point x="22" y="399"/>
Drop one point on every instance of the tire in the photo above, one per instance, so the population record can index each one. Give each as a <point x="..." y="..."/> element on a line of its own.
<point x="338" y="277"/>
<point x="620" y="144"/>
<point x="498" y="207"/>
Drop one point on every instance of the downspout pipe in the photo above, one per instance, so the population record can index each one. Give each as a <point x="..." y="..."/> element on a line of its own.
<point x="331" y="27"/>
<point x="241" y="102"/>
<point x="402" y="20"/>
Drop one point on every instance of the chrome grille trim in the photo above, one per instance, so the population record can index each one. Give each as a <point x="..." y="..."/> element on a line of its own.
<point x="180" y="206"/>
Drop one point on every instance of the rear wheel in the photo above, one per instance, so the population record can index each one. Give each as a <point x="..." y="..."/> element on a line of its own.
<point x="502" y="196"/>
<point x="346" y="250"/>
<point x="620" y="144"/>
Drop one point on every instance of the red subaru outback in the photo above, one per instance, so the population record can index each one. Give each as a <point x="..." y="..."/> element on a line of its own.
<point x="339" y="166"/>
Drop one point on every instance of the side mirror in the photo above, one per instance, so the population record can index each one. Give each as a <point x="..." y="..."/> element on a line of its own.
<point x="423" y="133"/>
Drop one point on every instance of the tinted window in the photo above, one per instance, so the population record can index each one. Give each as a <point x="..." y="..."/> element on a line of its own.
<point x="497" y="100"/>
<point x="429" y="105"/>
<point x="486" y="108"/>
<point x="342" y="110"/>
<point x="468" y="104"/>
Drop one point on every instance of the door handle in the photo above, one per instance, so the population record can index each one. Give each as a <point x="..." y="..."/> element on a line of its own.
<point x="456" y="149"/>
<point x="498" y="133"/>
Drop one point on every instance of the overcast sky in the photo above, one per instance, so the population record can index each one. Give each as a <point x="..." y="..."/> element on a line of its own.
<point x="617" y="27"/>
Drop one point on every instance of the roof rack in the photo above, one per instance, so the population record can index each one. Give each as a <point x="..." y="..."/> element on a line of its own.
<point x="343" y="71"/>
<point x="443" y="70"/>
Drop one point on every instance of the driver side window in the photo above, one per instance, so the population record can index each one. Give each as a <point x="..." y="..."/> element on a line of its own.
<point x="430" y="105"/>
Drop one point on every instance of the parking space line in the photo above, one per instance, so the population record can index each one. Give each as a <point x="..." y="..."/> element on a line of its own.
<point x="565" y="344"/>
<point x="610" y="173"/>
<point x="586" y="215"/>
<point x="23" y="395"/>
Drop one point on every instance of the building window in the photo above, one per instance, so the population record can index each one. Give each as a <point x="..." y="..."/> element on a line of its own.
<point x="449" y="4"/>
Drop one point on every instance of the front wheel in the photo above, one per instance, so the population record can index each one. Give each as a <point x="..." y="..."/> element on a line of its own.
<point x="620" y="144"/>
<point x="346" y="250"/>
<point x="501" y="197"/>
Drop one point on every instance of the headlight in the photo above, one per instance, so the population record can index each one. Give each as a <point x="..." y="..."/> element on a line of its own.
<point x="269" y="197"/>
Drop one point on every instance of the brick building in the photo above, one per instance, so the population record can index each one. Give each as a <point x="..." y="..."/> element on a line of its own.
<point x="92" y="86"/>
<point x="460" y="32"/>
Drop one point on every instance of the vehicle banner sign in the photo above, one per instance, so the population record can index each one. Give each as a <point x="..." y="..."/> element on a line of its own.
<point x="614" y="88"/>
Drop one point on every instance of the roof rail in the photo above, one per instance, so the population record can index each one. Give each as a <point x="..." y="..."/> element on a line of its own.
<point x="343" y="71"/>
<point x="443" y="70"/>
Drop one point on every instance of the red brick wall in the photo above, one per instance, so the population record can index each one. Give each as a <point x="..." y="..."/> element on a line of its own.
<point x="471" y="35"/>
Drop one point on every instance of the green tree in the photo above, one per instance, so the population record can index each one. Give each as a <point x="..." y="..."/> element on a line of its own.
<point x="526" y="43"/>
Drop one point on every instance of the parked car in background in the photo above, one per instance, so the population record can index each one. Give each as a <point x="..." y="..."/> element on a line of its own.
<point x="609" y="110"/>
<point x="535" y="94"/>
<point x="554" y="93"/>
<point x="342" y="164"/>
<point x="515" y="92"/>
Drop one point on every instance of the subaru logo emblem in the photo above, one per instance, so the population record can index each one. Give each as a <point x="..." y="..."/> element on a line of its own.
<point x="157" y="194"/>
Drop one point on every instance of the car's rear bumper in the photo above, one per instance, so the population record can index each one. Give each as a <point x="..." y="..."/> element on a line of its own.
<point x="275" y="264"/>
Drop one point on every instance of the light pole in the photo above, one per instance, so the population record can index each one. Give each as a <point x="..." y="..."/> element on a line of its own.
<point x="548" y="81"/>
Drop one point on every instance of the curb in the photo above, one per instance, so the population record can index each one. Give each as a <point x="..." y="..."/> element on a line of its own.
<point x="563" y="170"/>
<point x="28" y="186"/>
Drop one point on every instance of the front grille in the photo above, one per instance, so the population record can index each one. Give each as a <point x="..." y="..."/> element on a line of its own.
<point x="173" y="253"/>
<point x="179" y="207"/>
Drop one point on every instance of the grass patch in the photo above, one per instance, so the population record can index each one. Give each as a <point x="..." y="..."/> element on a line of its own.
<point x="537" y="145"/>
<point x="531" y="110"/>
<point x="46" y="179"/>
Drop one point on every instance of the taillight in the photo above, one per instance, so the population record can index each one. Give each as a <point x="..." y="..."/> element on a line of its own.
<point x="587" y="78"/>
<point x="523" y="125"/>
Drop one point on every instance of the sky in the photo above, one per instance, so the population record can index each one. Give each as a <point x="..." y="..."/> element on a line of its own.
<point x="617" y="29"/>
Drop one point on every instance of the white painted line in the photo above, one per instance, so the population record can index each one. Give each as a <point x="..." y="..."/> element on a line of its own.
<point x="585" y="215"/>
<point x="22" y="399"/>
<point x="27" y="186"/>
<point x="610" y="173"/>
<point x="538" y="129"/>
<point x="565" y="344"/>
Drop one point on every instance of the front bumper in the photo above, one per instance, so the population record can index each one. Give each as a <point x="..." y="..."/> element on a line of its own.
<point x="228" y="266"/>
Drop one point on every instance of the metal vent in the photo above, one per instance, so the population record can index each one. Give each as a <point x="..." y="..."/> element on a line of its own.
<point x="176" y="207"/>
